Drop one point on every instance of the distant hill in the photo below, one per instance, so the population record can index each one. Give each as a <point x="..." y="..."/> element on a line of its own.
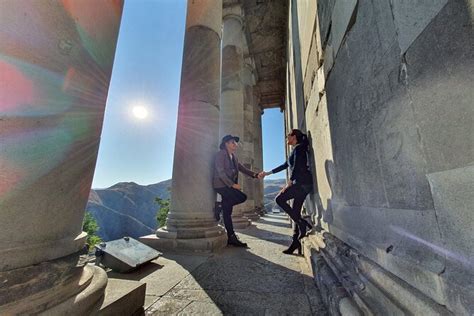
<point x="129" y="209"/>
<point x="270" y="191"/>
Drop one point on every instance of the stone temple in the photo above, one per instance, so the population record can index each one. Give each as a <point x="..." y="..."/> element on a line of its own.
<point x="384" y="89"/>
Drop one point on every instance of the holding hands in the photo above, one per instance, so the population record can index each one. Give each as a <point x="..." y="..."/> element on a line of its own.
<point x="263" y="174"/>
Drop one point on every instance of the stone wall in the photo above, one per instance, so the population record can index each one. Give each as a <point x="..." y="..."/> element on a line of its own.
<point x="388" y="104"/>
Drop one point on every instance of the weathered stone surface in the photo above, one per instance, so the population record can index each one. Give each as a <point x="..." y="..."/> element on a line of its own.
<point x="48" y="138"/>
<point x="454" y="204"/>
<point x="439" y="85"/>
<point x="343" y="15"/>
<point x="167" y="306"/>
<point x="55" y="65"/>
<point x="412" y="17"/>
<point x="254" y="281"/>
<point x="325" y="10"/>
<point x="123" y="297"/>
<point x="375" y="291"/>
<point x="306" y="11"/>
<point x="391" y="129"/>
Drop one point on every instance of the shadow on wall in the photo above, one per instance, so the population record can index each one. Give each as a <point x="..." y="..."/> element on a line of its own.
<point x="314" y="204"/>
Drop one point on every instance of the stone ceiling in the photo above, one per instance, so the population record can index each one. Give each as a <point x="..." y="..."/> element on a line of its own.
<point x="266" y="31"/>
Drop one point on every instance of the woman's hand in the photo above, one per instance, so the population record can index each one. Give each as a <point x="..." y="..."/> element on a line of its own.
<point x="236" y="186"/>
<point x="288" y="184"/>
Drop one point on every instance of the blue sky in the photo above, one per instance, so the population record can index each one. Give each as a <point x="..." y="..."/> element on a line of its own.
<point x="146" y="73"/>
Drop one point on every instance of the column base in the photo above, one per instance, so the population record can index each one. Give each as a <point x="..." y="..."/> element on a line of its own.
<point x="252" y="214"/>
<point x="59" y="287"/>
<point x="168" y="241"/>
<point x="241" y="222"/>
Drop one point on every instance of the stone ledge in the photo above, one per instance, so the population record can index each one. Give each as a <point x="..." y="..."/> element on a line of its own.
<point x="374" y="289"/>
<point x="205" y="245"/>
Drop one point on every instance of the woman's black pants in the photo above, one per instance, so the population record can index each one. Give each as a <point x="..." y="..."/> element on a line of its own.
<point x="298" y="193"/>
<point x="230" y="197"/>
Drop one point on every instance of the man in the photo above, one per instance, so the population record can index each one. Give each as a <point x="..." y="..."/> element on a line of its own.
<point x="225" y="182"/>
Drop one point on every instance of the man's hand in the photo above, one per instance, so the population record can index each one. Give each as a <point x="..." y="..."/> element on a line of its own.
<point x="236" y="186"/>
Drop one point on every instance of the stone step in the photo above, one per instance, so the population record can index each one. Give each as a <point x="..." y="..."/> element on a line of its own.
<point x="123" y="297"/>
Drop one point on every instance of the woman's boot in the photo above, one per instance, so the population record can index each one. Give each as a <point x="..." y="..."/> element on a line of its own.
<point x="295" y="244"/>
<point x="303" y="226"/>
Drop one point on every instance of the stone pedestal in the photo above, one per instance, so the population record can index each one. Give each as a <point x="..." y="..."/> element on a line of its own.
<point x="190" y="224"/>
<point x="55" y="63"/>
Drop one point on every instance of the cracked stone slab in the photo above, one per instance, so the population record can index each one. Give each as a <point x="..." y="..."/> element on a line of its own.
<point x="201" y="308"/>
<point x="340" y="21"/>
<point x="167" y="306"/>
<point x="412" y="17"/>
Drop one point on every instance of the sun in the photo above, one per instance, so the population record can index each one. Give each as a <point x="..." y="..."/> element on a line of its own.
<point x="140" y="112"/>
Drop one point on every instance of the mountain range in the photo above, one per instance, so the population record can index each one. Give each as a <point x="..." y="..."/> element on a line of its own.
<point x="129" y="209"/>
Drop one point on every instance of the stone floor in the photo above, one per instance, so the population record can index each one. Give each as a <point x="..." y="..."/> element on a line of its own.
<point x="259" y="280"/>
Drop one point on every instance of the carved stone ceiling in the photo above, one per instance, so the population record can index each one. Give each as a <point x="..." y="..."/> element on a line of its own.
<point x="266" y="32"/>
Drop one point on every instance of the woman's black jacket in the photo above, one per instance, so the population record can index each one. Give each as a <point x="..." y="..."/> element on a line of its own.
<point x="299" y="166"/>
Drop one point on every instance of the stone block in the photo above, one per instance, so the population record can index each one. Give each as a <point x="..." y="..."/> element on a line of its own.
<point x="343" y="15"/>
<point x="328" y="60"/>
<point x="210" y="244"/>
<point x="325" y="10"/>
<point x="440" y="88"/>
<point x="412" y="17"/>
<point x="123" y="297"/>
<point x="453" y="195"/>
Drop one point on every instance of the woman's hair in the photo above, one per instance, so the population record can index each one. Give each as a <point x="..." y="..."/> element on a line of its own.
<point x="301" y="138"/>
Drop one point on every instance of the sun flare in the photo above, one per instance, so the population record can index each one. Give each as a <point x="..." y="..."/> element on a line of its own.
<point x="140" y="112"/>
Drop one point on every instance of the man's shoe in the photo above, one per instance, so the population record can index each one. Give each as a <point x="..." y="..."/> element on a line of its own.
<point x="234" y="241"/>
<point x="217" y="211"/>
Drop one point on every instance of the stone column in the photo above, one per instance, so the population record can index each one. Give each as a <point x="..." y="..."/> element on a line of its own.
<point x="258" y="152"/>
<point x="190" y="224"/>
<point x="55" y="66"/>
<point x="250" y="185"/>
<point x="232" y="94"/>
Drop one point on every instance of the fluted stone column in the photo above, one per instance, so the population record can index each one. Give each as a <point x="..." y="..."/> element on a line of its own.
<point x="55" y="67"/>
<point x="258" y="152"/>
<point x="232" y="94"/>
<point x="251" y="185"/>
<point x="190" y="224"/>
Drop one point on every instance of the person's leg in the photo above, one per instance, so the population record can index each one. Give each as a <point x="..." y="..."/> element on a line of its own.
<point x="283" y="197"/>
<point x="298" y="194"/>
<point x="237" y="196"/>
<point x="231" y="197"/>
<point x="227" y="204"/>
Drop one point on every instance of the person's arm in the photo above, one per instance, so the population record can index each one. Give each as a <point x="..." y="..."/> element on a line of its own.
<point x="279" y="168"/>
<point x="246" y="171"/>
<point x="219" y="165"/>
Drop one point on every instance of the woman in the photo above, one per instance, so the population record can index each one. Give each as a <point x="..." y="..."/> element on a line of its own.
<point x="300" y="184"/>
<point x="225" y="182"/>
